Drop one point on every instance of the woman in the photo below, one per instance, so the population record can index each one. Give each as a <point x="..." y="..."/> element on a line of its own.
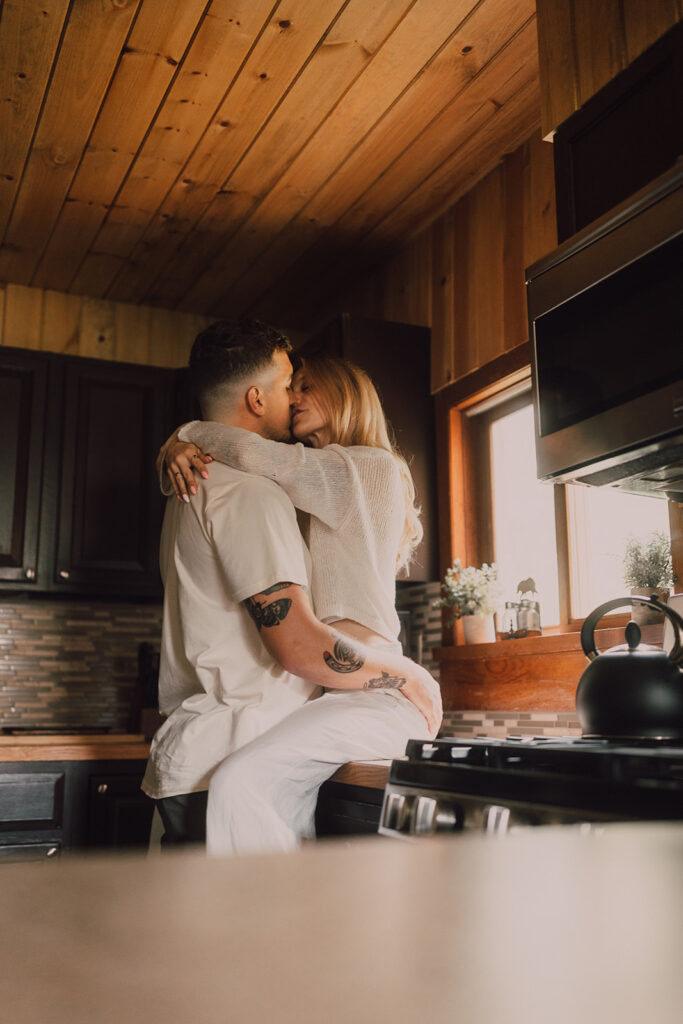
<point x="362" y="527"/>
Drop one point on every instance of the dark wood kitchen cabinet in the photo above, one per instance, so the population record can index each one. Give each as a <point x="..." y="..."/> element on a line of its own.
<point x="50" y="807"/>
<point x="109" y="507"/>
<point x="626" y="135"/>
<point x="347" y="810"/>
<point x="84" y="509"/>
<point x="23" y="388"/>
<point x="397" y="358"/>
<point x="119" y="813"/>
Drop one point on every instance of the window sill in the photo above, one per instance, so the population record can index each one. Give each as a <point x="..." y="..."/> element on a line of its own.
<point x="548" y="644"/>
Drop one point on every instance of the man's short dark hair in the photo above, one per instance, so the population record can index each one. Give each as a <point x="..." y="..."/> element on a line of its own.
<point x="228" y="351"/>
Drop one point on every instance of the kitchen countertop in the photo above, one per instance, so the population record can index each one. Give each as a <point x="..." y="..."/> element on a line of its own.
<point x="126" y="746"/>
<point x="548" y="924"/>
<point x="87" y="747"/>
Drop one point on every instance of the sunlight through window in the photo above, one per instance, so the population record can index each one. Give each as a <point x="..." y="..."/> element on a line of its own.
<point x="601" y="520"/>
<point x="523" y="514"/>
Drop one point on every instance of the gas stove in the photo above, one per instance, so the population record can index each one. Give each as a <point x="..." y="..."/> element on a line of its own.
<point x="455" y="784"/>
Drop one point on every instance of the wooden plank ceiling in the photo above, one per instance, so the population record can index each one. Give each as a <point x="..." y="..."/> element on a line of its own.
<point x="245" y="156"/>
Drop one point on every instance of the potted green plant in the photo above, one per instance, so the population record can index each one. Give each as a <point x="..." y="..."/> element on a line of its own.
<point x="648" y="570"/>
<point x="471" y="595"/>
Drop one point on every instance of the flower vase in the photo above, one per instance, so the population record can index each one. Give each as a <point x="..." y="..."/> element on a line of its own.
<point x="479" y="629"/>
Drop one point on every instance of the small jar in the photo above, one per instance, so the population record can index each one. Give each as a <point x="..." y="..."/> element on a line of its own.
<point x="523" y="609"/>
<point x="533" y="625"/>
<point x="509" y="621"/>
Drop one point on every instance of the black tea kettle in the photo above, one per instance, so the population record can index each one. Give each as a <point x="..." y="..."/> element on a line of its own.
<point x="633" y="691"/>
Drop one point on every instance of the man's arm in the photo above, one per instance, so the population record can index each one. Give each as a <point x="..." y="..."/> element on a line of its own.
<point x="308" y="648"/>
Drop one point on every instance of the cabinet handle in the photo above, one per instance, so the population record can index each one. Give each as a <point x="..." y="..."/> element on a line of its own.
<point x="64" y="573"/>
<point x="30" y="574"/>
<point x="102" y="788"/>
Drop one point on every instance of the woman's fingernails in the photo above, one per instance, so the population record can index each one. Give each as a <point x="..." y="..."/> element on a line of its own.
<point x="186" y="499"/>
<point x="193" y="489"/>
<point x="205" y="474"/>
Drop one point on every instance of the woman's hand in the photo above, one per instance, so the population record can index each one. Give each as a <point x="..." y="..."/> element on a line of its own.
<point x="424" y="692"/>
<point x="181" y="460"/>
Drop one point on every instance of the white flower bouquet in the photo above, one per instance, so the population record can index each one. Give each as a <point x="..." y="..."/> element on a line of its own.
<point x="469" y="591"/>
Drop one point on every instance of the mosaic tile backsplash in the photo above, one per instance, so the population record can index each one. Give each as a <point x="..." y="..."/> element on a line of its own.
<point x="425" y="622"/>
<point x="426" y="636"/>
<point x="72" y="663"/>
<point x="467" y="724"/>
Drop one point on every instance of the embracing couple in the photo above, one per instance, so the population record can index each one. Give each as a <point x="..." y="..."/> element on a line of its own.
<point x="279" y="654"/>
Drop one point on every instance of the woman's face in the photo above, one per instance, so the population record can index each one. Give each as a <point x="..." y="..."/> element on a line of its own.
<point x="309" y="422"/>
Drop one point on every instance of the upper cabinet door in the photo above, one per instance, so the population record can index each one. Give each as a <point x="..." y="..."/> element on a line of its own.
<point x="110" y="507"/>
<point x="23" y="377"/>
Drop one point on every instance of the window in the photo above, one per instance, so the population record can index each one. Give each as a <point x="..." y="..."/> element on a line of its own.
<point x="601" y="520"/>
<point x="569" y="539"/>
<point x="524" y="535"/>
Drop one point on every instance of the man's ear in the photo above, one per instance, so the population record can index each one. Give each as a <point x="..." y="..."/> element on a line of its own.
<point x="255" y="401"/>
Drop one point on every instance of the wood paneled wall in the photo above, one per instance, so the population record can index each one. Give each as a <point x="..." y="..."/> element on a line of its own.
<point x="464" y="275"/>
<point x="582" y="44"/>
<point x="80" y="326"/>
<point x="400" y="289"/>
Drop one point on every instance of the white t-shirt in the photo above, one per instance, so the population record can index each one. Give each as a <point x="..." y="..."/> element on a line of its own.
<point x="356" y="503"/>
<point x="218" y="686"/>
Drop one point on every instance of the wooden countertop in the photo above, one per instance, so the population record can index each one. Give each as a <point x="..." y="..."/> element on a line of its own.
<point x="74" y="747"/>
<point x="373" y="774"/>
<point x="133" y="747"/>
<point x="548" y="924"/>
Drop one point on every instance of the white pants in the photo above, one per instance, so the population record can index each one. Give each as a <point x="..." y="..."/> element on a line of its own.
<point x="263" y="797"/>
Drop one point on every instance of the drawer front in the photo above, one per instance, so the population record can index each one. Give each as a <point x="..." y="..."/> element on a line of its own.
<point x="13" y="852"/>
<point x="31" y="799"/>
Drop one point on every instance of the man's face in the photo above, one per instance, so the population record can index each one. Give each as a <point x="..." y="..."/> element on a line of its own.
<point x="275" y="422"/>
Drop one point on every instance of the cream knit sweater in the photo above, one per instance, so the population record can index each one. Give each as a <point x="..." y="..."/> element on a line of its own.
<point x="356" y="503"/>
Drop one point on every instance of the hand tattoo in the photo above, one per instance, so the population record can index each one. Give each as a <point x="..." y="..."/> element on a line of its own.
<point x="344" y="659"/>
<point x="386" y="682"/>
<point x="267" y="615"/>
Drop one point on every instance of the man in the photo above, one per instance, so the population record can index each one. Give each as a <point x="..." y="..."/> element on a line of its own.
<point x="241" y="648"/>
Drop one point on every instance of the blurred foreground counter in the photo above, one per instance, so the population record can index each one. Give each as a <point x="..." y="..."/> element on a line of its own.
<point x="548" y="924"/>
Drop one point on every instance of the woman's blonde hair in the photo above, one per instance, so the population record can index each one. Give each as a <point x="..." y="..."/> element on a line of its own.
<point x="355" y="417"/>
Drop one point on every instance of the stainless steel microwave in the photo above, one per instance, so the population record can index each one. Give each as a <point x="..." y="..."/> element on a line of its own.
<point x="606" y="330"/>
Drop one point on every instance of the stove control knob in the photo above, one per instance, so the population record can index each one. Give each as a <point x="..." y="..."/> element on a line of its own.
<point x="496" y="819"/>
<point x="394" y="812"/>
<point x="431" y="816"/>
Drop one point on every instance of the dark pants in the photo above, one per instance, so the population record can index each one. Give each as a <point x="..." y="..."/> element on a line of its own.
<point x="184" y="818"/>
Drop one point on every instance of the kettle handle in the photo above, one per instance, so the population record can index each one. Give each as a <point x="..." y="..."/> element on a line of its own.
<point x="588" y="628"/>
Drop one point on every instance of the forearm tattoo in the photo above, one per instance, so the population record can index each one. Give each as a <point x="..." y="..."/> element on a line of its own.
<point x="386" y="682"/>
<point x="267" y="615"/>
<point x="344" y="659"/>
